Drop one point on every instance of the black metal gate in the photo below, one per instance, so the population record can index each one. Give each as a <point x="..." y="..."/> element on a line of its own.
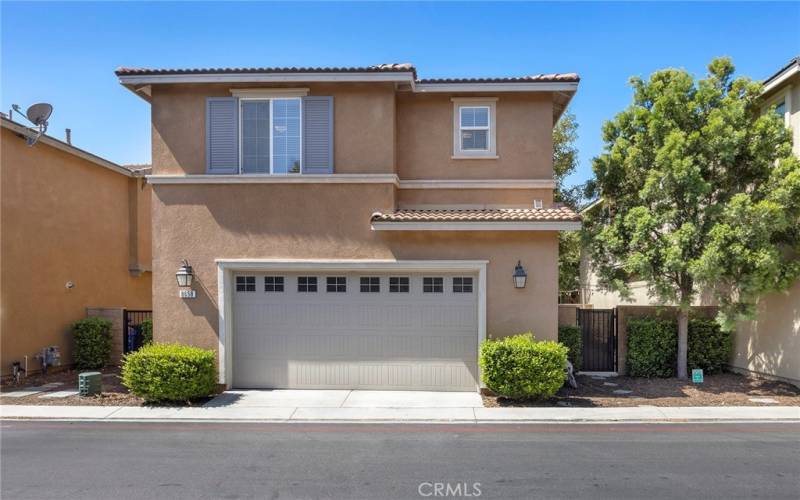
<point x="132" y="329"/>
<point x="599" y="333"/>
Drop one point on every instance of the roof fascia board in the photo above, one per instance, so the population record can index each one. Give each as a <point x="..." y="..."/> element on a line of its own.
<point x="266" y="78"/>
<point x="498" y="87"/>
<point x="67" y="148"/>
<point x="781" y="77"/>
<point x="476" y="226"/>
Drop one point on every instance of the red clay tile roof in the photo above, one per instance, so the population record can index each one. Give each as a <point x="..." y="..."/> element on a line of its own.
<point x="377" y="68"/>
<point x="480" y="215"/>
<point x="550" y="77"/>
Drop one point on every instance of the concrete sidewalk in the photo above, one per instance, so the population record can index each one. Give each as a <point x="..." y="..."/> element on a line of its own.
<point x="405" y="414"/>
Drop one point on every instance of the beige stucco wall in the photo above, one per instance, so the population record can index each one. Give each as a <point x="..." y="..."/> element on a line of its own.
<point x="62" y="219"/>
<point x="364" y="126"/>
<point x="425" y="138"/>
<point x="326" y="221"/>
<point x="516" y="198"/>
<point x="770" y="344"/>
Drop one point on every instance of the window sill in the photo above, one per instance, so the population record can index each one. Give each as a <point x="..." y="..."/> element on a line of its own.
<point x="475" y="157"/>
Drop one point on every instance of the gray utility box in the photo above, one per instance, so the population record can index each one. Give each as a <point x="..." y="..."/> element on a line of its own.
<point x="90" y="383"/>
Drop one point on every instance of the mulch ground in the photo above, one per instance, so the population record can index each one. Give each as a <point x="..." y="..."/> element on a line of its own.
<point x="726" y="389"/>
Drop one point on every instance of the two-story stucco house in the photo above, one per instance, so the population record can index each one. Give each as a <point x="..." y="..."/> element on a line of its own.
<point x="352" y="227"/>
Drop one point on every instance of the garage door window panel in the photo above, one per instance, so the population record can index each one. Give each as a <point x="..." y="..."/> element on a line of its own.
<point x="398" y="284"/>
<point x="245" y="283"/>
<point x="370" y="284"/>
<point x="462" y="285"/>
<point x="273" y="283"/>
<point x="306" y="284"/>
<point x="336" y="284"/>
<point x="432" y="284"/>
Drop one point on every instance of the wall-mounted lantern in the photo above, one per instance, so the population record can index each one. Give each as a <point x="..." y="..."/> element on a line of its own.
<point x="184" y="275"/>
<point x="520" y="276"/>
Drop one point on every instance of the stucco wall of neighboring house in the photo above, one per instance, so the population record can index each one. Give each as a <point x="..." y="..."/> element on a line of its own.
<point x="63" y="219"/>
<point x="790" y="92"/>
<point x="326" y="221"/>
<point x="770" y="344"/>
<point x="364" y="125"/>
<point x="516" y="198"/>
<point x="425" y="138"/>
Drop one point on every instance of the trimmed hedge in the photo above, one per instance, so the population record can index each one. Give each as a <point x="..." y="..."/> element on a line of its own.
<point x="92" y="337"/>
<point x="519" y="367"/>
<point x="570" y="336"/>
<point x="146" y="331"/>
<point x="170" y="372"/>
<point x="653" y="346"/>
<point x="709" y="346"/>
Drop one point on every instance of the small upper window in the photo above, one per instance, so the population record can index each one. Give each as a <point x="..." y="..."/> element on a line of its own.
<point x="245" y="283"/>
<point x="370" y="284"/>
<point x="336" y="284"/>
<point x="780" y="108"/>
<point x="432" y="285"/>
<point x="398" y="284"/>
<point x="462" y="285"/>
<point x="273" y="283"/>
<point x="474" y="128"/>
<point x="306" y="283"/>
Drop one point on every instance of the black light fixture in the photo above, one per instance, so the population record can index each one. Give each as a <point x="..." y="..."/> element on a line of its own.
<point x="520" y="276"/>
<point x="184" y="275"/>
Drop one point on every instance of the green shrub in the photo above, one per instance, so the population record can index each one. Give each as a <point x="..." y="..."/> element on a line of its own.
<point x="92" y="337"/>
<point x="519" y="367"/>
<point x="709" y="346"/>
<point x="652" y="347"/>
<point x="146" y="331"/>
<point x="170" y="372"/>
<point x="570" y="336"/>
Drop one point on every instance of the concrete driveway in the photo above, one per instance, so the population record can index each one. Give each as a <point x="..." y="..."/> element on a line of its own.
<point x="344" y="399"/>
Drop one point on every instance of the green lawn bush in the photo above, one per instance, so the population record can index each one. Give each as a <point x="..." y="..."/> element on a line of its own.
<point x="570" y="336"/>
<point x="653" y="346"/>
<point x="170" y="372"/>
<point x="92" y="338"/>
<point x="520" y="367"/>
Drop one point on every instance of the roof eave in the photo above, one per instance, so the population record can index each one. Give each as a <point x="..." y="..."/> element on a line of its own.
<point x="779" y="78"/>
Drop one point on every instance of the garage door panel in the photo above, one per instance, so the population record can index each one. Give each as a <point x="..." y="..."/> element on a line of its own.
<point x="353" y="339"/>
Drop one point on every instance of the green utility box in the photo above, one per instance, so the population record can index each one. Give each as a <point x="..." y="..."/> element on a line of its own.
<point x="90" y="383"/>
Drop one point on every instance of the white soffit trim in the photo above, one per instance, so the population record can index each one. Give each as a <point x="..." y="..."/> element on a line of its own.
<point x="266" y="78"/>
<point x="497" y="87"/>
<point x="476" y="226"/>
<point x="67" y="148"/>
<point x="275" y="179"/>
<point x="269" y="93"/>
<point x="478" y="184"/>
<point x="782" y="77"/>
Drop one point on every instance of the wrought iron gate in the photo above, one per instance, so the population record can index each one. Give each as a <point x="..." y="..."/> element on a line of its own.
<point x="599" y="333"/>
<point x="132" y="329"/>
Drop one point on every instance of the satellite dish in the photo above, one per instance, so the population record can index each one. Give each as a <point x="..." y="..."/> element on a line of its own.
<point x="39" y="113"/>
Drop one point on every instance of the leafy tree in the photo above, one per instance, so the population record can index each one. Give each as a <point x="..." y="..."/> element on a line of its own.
<point x="701" y="191"/>
<point x="565" y="161"/>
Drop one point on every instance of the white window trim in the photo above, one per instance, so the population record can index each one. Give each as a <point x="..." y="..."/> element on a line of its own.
<point x="474" y="102"/>
<point x="269" y="93"/>
<point x="271" y="100"/>
<point x="225" y="289"/>
<point x="786" y="97"/>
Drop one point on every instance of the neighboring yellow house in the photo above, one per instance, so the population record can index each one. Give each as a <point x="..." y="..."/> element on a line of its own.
<point x="352" y="227"/>
<point x="75" y="235"/>
<point x="770" y="344"/>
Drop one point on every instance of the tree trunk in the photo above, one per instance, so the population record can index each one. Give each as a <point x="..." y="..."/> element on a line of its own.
<point x="683" y="342"/>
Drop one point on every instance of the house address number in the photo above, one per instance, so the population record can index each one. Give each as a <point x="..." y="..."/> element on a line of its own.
<point x="187" y="294"/>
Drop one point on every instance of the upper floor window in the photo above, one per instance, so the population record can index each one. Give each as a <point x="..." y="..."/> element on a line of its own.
<point x="271" y="138"/>
<point x="474" y="134"/>
<point x="780" y="108"/>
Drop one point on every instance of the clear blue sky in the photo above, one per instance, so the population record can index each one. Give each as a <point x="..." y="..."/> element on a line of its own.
<point x="66" y="53"/>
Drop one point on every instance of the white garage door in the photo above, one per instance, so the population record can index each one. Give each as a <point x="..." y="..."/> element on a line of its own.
<point x="355" y="331"/>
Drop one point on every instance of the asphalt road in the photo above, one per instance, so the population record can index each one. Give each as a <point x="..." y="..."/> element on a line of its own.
<point x="119" y="461"/>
